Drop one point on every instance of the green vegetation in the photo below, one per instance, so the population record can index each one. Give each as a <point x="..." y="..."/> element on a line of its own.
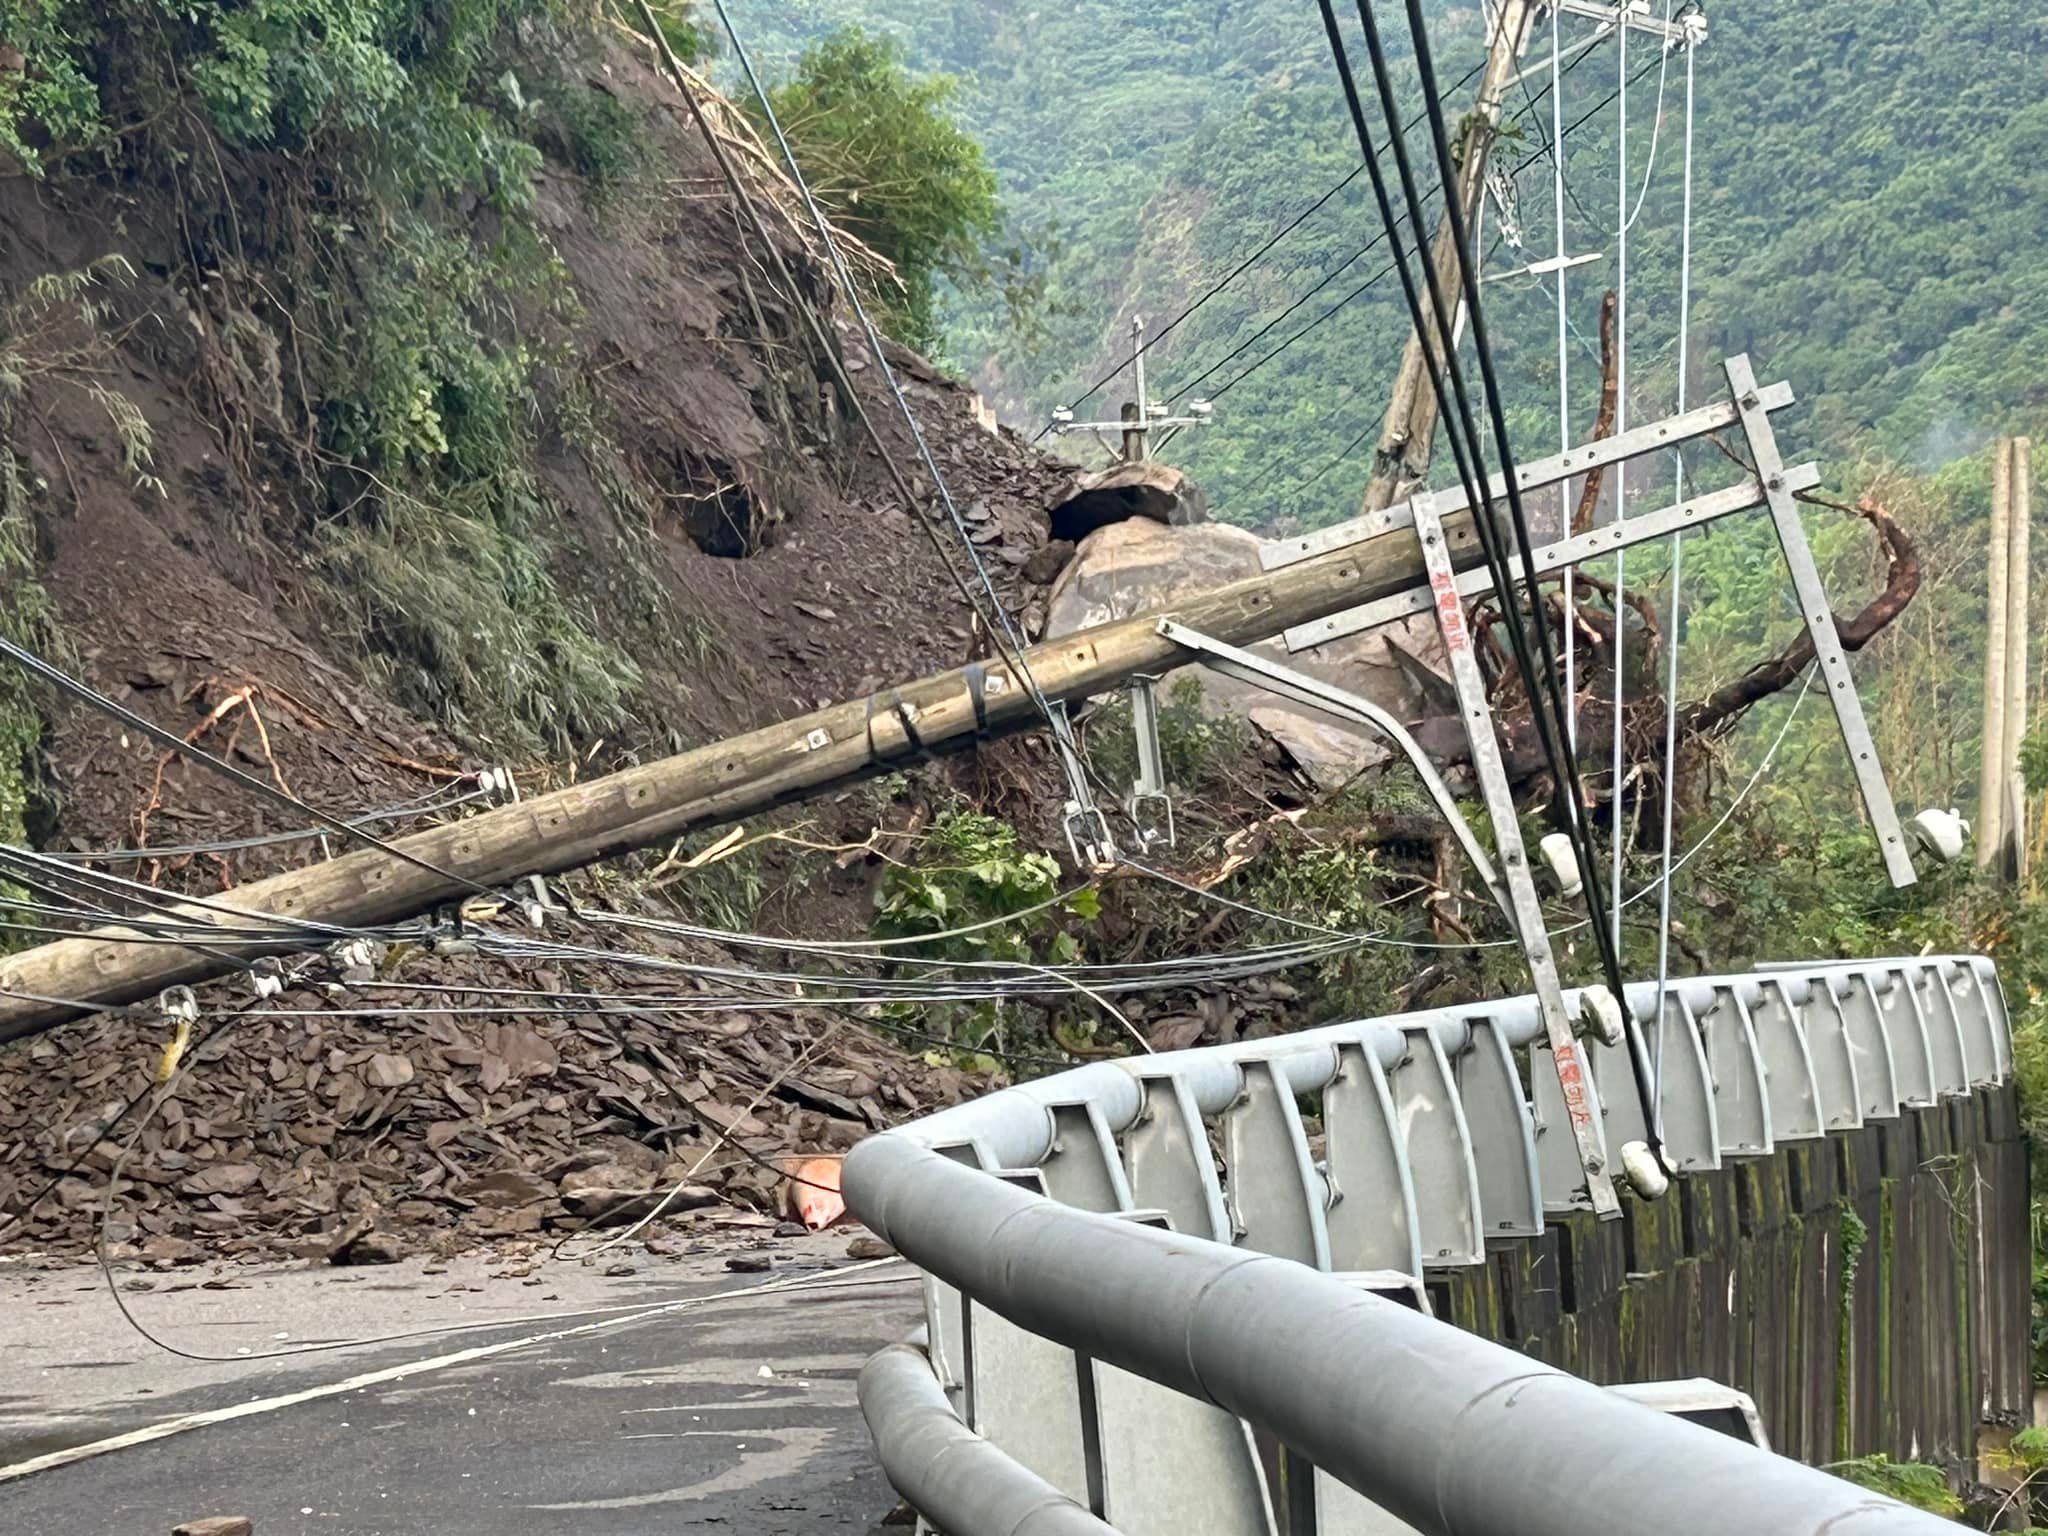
<point x="1910" y="1482"/>
<point x="1863" y="181"/>
<point x="884" y="155"/>
<point x="393" y="306"/>
<point x="971" y="873"/>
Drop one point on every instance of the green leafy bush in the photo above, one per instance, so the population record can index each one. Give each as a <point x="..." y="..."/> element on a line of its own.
<point x="883" y="154"/>
<point x="980" y="895"/>
<point x="1910" y="1482"/>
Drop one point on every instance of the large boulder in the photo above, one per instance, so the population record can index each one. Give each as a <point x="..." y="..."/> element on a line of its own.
<point x="1148" y="489"/>
<point x="1135" y="566"/>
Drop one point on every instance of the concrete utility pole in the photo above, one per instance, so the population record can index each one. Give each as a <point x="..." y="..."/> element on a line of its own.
<point x="657" y="802"/>
<point x="2001" y="797"/>
<point x="1401" y="461"/>
<point x="1139" y="418"/>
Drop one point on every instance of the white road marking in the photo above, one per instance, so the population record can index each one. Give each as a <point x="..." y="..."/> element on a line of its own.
<point x="165" y="1428"/>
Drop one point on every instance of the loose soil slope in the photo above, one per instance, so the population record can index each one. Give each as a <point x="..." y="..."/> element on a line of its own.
<point x="806" y="581"/>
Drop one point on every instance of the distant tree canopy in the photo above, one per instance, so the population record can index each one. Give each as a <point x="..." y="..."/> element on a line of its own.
<point x="887" y="160"/>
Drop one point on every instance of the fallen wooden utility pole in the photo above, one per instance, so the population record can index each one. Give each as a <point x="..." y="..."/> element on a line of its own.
<point x="657" y="802"/>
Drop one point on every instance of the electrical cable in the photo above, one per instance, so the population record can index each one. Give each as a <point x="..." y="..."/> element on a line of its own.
<point x="426" y="806"/>
<point x="1056" y="720"/>
<point x="999" y="626"/>
<point x="1238" y="378"/>
<point x="825" y="1036"/>
<point x="1543" y="151"/>
<point x="1470" y="458"/>
<point x="1656" y="122"/>
<point x="761" y="1160"/>
<point x="159" y="902"/>
<point x="1460" y="428"/>
<point x="173" y="742"/>
<point x="1580" y="121"/>
<point x="1564" y="414"/>
<point x="1227" y="279"/>
<point x="1610" y="956"/>
<point x="712" y="1004"/>
<point x="1677" y="572"/>
<point x="1324" y="281"/>
<point x="1618" y="486"/>
<point x="1550" y="150"/>
<point x="829" y="1280"/>
<point x="1266" y="329"/>
<point x="1370" y="429"/>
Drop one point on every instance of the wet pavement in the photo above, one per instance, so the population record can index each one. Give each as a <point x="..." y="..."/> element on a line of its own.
<point x="704" y="1399"/>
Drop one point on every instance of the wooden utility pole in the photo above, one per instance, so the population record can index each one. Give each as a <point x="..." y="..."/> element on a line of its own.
<point x="1401" y="461"/>
<point x="2001" y="798"/>
<point x="657" y="802"/>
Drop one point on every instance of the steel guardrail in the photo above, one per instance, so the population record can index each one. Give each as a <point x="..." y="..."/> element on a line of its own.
<point x="1131" y="1325"/>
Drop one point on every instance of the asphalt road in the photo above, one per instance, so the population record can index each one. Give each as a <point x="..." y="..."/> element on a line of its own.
<point x="734" y="1414"/>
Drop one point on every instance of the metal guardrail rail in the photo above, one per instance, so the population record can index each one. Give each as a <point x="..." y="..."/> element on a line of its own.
<point x="1157" y="1304"/>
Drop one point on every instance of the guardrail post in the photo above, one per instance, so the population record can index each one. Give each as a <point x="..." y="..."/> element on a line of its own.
<point x="1742" y="1105"/>
<point x="1372" y="1220"/>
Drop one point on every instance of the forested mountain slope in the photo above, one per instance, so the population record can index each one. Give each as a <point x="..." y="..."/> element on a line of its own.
<point x="1866" y="178"/>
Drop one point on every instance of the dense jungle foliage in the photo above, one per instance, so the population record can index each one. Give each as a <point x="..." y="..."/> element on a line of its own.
<point x="1862" y="178"/>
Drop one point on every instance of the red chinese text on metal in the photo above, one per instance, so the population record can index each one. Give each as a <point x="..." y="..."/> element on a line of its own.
<point x="1450" y="612"/>
<point x="1571" y="1078"/>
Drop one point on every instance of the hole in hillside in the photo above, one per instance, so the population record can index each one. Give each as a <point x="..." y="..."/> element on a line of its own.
<point x="718" y="509"/>
<point x="726" y="523"/>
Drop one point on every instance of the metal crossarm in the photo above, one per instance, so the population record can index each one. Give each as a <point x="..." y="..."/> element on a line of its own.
<point x="1475" y="711"/>
<point x="1819" y="619"/>
<point x="1773" y="487"/>
<point x="1477" y="581"/>
<point x="1652" y="437"/>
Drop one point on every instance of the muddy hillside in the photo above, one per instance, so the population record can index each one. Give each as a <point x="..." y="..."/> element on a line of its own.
<point x="688" y="535"/>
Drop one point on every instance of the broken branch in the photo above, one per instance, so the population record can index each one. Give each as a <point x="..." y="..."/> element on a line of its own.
<point x="1901" y="583"/>
<point x="1603" y="422"/>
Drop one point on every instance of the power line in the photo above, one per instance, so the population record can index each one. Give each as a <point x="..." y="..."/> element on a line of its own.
<point x="1324" y="281"/>
<point x="828" y="350"/>
<point x="1359" y="441"/>
<point x="1564" y="765"/>
<point x="1056" y="721"/>
<point x="1460" y="428"/>
<point x="1230" y="277"/>
<point x="425" y="805"/>
<point x="171" y="741"/>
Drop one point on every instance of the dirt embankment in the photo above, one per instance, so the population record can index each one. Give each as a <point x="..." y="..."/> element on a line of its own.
<point x="725" y="476"/>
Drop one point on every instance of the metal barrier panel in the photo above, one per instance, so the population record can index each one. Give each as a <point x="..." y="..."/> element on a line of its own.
<point x="1430" y="1151"/>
